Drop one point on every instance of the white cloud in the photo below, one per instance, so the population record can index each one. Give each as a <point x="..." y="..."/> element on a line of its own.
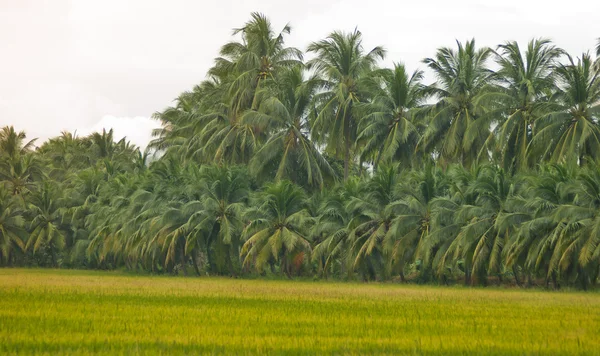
<point x="137" y="130"/>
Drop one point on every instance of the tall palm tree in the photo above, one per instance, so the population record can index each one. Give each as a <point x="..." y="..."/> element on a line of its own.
<point x="458" y="124"/>
<point x="389" y="127"/>
<point x="343" y="64"/>
<point x="289" y="152"/>
<point x="255" y="60"/>
<point x="243" y="70"/>
<point x="570" y="133"/>
<point x="527" y="81"/>
<point x="278" y="229"/>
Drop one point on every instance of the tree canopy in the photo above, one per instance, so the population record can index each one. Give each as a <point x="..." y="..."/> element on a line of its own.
<point x="335" y="167"/>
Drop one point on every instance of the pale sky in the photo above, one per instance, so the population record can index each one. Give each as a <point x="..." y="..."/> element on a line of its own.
<point x="81" y="66"/>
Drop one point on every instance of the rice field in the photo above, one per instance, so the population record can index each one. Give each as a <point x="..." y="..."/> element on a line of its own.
<point x="80" y="312"/>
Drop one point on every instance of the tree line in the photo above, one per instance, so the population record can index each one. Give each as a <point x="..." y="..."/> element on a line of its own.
<point x="323" y="163"/>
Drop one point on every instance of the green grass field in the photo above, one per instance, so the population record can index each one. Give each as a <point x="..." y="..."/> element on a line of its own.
<point x="60" y="312"/>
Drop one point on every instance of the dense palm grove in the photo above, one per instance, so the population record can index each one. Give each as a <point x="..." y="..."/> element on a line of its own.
<point x="333" y="167"/>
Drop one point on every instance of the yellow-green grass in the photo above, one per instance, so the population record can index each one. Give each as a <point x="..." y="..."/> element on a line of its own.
<point x="77" y="312"/>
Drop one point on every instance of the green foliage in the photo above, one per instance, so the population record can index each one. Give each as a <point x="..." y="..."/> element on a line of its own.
<point x="481" y="176"/>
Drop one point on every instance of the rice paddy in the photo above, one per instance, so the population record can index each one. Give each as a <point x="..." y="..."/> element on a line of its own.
<point x="77" y="312"/>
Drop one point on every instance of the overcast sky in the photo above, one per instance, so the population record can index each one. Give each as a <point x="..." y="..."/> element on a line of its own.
<point x="84" y="65"/>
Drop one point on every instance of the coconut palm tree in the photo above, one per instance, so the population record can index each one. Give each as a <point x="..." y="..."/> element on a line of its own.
<point x="65" y="153"/>
<point x="570" y="133"/>
<point x="289" y="153"/>
<point x="487" y="224"/>
<point x="44" y="217"/>
<point x="278" y="229"/>
<point x="341" y="61"/>
<point x="527" y="81"/>
<point x="255" y="60"/>
<point x="18" y="167"/>
<point x="389" y="129"/>
<point x="598" y="55"/>
<point x="219" y="223"/>
<point x="13" y="143"/>
<point x="374" y="212"/>
<point x="576" y="252"/>
<point x="12" y="231"/>
<point x="410" y="232"/>
<point x="243" y="70"/>
<point x="459" y="122"/>
<point x="532" y="246"/>
<point x="332" y="229"/>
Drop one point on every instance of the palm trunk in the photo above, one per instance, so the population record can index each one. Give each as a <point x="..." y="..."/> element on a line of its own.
<point x="515" y="273"/>
<point x="467" y="272"/>
<point x="195" y="263"/>
<point x="230" y="265"/>
<point x="183" y="260"/>
<point x="583" y="277"/>
<point x="347" y="160"/>
<point x="53" y="255"/>
<point x="346" y="149"/>
<point x="555" y="281"/>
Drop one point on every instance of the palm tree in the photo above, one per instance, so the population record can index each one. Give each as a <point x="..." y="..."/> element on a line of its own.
<point x="527" y="81"/>
<point x="12" y="232"/>
<point x="570" y="133"/>
<point x="255" y="60"/>
<point x="220" y="224"/>
<point x="18" y="167"/>
<point x="44" y="216"/>
<point x="410" y="238"/>
<point x="389" y="128"/>
<point x="289" y="153"/>
<point x="20" y="173"/>
<point x="343" y="65"/>
<point x="598" y="55"/>
<point x="374" y="212"/>
<point x="278" y="229"/>
<point x="243" y="70"/>
<point x="332" y="228"/>
<point x="532" y="246"/>
<point x="13" y="144"/>
<point x="183" y="123"/>
<point x="576" y="252"/>
<point x="171" y="230"/>
<point x="458" y="122"/>
<point x="487" y="224"/>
